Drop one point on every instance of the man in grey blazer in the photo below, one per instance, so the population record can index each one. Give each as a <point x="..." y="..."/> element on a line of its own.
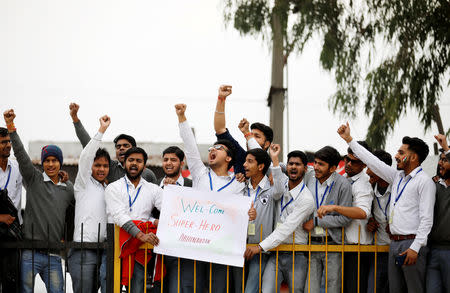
<point x="328" y="188"/>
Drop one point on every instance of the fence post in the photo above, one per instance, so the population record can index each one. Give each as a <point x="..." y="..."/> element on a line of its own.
<point x="110" y="258"/>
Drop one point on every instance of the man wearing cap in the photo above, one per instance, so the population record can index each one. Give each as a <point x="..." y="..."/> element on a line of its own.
<point x="45" y="211"/>
<point x="122" y="143"/>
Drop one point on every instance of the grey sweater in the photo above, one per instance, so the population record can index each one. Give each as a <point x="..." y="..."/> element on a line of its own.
<point x="116" y="171"/>
<point x="440" y="233"/>
<point x="340" y="194"/>
<point x="46" y="202"/>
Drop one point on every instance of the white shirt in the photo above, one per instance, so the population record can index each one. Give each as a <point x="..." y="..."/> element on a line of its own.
<point x="204" y="178"/>
<point x="90" y="206"/>
<point x="259" y="186"/>
<point x="14" y="185"/>
<point x="46" y="178"/>
<point x="413" y="212"/>
<point x="382" y="214"/>
<point x="180" y="181"/>
<point x="362" y="198"/>
<point x="118" y="199"/>
<point x="292" y="218"/>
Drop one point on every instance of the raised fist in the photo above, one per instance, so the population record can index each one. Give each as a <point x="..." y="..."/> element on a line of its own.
<point x="244" y="126"/>
<point x="105" y="121"/>
<point x="180" y="109"/>
<point x="9" y="116"/>
<point x="224" y="91"/>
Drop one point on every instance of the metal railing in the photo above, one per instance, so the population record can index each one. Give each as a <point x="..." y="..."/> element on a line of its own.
<point x="309" y="248"/>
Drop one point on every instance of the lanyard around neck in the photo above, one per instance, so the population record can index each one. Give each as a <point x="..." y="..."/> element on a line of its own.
<point x="324" y="194"/>
<point x="386" y="207"/>
<point x="285" y="206"/>
<point x="256" y="195"/>
<point x="7" y="180"/>
<point x="129" y="196"/>
<point x="403" y="189"/>
<point x="223" y="187"/>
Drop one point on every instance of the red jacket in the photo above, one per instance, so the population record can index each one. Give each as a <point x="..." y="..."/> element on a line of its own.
<point x="129" y="247"/>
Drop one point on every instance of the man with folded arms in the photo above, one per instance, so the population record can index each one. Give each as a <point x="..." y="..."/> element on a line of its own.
<point x="411" y="209"/>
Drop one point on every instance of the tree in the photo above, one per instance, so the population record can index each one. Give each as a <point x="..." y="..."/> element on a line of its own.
<point x="390" y="55"/>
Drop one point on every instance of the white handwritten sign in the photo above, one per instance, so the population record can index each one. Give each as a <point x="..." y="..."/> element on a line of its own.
<point x="201" y="225"/>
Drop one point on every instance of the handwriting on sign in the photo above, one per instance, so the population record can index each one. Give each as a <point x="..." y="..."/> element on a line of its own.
<point x="200" y="209"/>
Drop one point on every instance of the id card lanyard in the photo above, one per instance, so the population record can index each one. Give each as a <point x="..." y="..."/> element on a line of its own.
<point x="223" y="187"/>
<point x="324" y="194"/>
<point x="289" y="202"/>
<point x="129" y="196"/>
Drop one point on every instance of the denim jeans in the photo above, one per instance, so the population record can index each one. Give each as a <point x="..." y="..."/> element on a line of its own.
<point x="48" y="267"/>
<point x="438" y="270"/>
<point x="318" y="271"/>
<point x="285" y="272"/>
<point x="252" y="285"/>
<point x="87" y="270"/>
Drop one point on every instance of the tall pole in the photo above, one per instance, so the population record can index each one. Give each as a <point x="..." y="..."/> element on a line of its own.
<point x="277" y="92"/>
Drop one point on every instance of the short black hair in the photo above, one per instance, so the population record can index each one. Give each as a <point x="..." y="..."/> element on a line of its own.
<point x="362" y="143"/>
<point x="383" y="156"/>
<point x="268" y="132"/>
<point x="102" y="153"/>
<point x="136" y="150"/>
<point x="418" y="146"/>
<point x="329" y="155"/>
<point x="174" y="150"/>
<point x="127" y="137"/>
<point x="298" y="154"/>
<point x="3" y="132"/>
<point x="231" y="150"/>
<point x="261" y="157"/>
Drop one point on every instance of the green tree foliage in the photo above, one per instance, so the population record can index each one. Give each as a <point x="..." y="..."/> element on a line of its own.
<point x="389" y="55"/>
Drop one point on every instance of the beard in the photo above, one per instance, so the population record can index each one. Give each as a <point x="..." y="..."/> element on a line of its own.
<point x="134" y="177"/>
<point x="173" y="173"/>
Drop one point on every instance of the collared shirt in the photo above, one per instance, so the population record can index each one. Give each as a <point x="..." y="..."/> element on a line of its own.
<point x="259" y="187"/>
<point x="294" y="214"/>
<point x="442" y="181"/>
<point x="118" y="198"/>
<point x="14" y="185"/>
<point x="90" y="206"/>
<point x="46" y="178"/>
<point x="180" y="181"/>
<point x="362" y="198"/>
<point x="413" y="212"/>
<point x="382" y="215"/>
<point x="200" y="173"/>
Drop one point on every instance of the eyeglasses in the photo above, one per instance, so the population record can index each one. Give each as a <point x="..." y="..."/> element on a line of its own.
<point x="125" y="145"/>
<point x="6" y="141"/>
<point x="353" y="161"/>
<point x="217" y="147"/>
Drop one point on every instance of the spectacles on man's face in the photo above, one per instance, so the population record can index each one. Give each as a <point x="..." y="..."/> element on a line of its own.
<point x="125" y="145"/>
<point x="5" y="141"/>
<point x="347" y="159"/>
<point x="217" y="147"/>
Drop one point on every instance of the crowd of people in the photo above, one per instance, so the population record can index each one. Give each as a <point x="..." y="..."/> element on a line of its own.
<point x="400" y="206"/>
